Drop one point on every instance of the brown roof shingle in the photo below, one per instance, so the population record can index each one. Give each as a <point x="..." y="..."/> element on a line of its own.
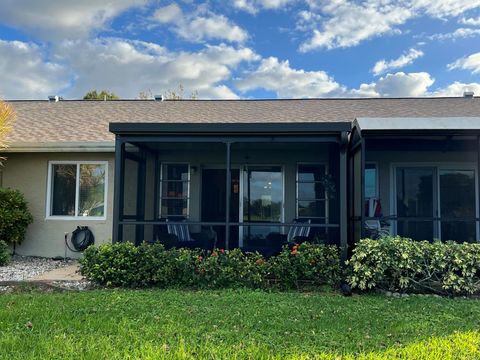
<point x="87" y="121"/>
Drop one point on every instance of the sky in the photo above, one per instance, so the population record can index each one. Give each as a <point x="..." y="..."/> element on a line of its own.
<point x="239" y="49"/>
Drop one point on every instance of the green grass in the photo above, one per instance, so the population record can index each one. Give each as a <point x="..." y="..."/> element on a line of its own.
<point x="156" y="324"/>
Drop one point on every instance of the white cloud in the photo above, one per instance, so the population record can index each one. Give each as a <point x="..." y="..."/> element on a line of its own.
<point x="459" y="33"/>
<point x="200" y="25"/>
<point x="279" y="77"/>
<point x="128" y="67"/>
<point x="26" y="74"/>
<point x="383" y="66"/>
<point x="254" y="6"/>
<point x="457" y="89"/>
<point x="343" y="23"/>
<point x="470" y="21"/>
<point x="62" y="19"/>
<point x="346" y="24"/>
<point x="471" y="62"/>
<point x="399" y="84"/>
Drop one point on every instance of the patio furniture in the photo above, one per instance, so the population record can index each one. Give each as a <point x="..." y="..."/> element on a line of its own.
<point x="176" y="233"/>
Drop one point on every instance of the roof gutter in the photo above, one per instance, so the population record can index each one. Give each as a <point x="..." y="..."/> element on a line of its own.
<point x="85" y="146"/>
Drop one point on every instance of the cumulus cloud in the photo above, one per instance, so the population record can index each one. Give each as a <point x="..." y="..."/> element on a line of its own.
<point x="67" y="19"/>
<point x="470" y="21"/>
<point x="254" y="6"/>
<point x="200" y="25"/>
<point x="127" y="67"/>
<point x="457" y="89"/>
<point x="343" y="23"/>
<point x="471" y="62"/>
<point x="399" y="84"/>
<point x="286" y="82"/>
<point x="383" y="66"/>
<point x="26" y="74"/>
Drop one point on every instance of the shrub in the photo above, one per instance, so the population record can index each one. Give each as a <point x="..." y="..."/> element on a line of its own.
<point x="14" y="216"/>
<point x="4" y="253"/>
<point x="400" y="264"/>
<point x="316" y="264"/>
<point x="125" y="265"/>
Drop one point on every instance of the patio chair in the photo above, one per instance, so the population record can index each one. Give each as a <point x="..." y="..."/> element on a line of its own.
<point x="179" y="235"/>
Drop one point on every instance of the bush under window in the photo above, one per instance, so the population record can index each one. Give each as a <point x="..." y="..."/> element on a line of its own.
<point x="4" y="253"/>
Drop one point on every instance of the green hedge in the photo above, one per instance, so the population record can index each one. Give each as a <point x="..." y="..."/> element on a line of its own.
<point x="14" y="216"/>
<point x="400" y="264"/>
<point x="125" y="265"/>
<point x="4" y="253"/>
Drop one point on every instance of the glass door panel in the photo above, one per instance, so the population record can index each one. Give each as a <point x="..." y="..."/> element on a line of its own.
<point x="457" y="200"/>
<point x="262" y="202"/>
<point x="415" y="198"/>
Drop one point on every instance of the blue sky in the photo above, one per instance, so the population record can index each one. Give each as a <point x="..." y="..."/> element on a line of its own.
<point x="240" y="48"/>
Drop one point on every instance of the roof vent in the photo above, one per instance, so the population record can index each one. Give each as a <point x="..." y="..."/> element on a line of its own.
<point x="54" y="98"/>
<point x="158" y="97"/>
<point x="468" y="94"/>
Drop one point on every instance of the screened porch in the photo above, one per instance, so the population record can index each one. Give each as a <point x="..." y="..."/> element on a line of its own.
<point x="251" y="186"/>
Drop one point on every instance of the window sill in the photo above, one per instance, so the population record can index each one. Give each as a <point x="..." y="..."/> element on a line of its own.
<point x="76" y="218"/>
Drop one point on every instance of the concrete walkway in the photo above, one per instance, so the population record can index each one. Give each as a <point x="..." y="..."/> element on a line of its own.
<point x="67" y="273"/>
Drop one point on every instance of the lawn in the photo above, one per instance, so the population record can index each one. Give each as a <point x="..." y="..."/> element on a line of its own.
<point x="119" y="324"/>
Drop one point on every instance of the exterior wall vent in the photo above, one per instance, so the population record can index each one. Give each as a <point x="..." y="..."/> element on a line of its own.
<point x="158" y="97"/>
<point x="54" y="98"/>
<point x="468" y="94"/>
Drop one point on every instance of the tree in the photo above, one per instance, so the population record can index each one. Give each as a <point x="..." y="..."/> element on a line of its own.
<point x="103" y="95"/>
<point x="175" y="94"/>
<point x="7" y="117"/>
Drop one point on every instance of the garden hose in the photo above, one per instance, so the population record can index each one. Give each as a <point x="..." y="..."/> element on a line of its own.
<point x="82" y="237"/>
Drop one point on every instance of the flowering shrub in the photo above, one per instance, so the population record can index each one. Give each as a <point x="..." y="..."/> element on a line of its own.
<point x="312" y="263"/>
<point x="400" y="264"/>
<point x="125" y="265"/>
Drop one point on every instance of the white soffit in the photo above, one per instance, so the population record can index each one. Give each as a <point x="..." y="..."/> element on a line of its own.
<point x="435" y="123"/>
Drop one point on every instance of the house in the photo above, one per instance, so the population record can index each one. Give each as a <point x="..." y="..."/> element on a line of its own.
<point x="247" y="171"/>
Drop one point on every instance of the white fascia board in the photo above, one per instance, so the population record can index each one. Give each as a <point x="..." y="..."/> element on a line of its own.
<point x="432" y="123"/>
<point x="87" y="146"/>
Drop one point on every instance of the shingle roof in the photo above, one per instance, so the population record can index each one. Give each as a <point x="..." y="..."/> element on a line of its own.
<point x="87" y="121"/>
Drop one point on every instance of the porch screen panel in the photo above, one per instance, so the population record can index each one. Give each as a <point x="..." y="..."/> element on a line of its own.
<point x="175" y="185"/>
<point x="415" y="199"/>
<point x="457" y="201"/>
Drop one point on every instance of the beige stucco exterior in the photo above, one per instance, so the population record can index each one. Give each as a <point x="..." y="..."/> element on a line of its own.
<point x="28" y="172"/>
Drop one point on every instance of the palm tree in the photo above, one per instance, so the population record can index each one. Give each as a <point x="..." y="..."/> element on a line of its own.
<point x="7" y="117"/>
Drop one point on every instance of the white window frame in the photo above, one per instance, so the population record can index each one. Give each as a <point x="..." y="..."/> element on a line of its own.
<point x="160" y="187"/>
<point x="77" y="163"/>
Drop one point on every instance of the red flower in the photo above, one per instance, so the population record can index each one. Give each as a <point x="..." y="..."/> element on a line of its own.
<point x="214" y="253"/>
<point x="200" y="258"/>
<point x="222" y="251"/>
<point x="294" y="252"/>
<point x="295" y="247"/>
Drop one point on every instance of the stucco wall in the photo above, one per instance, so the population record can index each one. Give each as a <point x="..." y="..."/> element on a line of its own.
<point x="45" y="237"/>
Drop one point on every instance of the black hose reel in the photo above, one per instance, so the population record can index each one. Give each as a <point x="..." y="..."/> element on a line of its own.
<point x="82" y="237"/>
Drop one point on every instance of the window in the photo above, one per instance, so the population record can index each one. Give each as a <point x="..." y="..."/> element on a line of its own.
<point x="174" y="190"/>
<point x="311" y="191"/>
<point x="371" y="178"/>
<point x="77" y="189"/>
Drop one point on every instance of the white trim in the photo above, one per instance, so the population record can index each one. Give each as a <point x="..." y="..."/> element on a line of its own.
<point x="76" y="217"/>
<point x="417" y="123"/>
<point x="438" y="167"/>
<point x="85" y="146"/>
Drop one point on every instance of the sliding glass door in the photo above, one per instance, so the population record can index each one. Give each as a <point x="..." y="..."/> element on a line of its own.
<point x="436" y="202"/>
